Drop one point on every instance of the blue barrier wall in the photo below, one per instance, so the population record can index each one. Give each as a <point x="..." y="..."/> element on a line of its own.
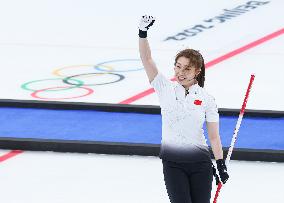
<point x="84" y="125"/>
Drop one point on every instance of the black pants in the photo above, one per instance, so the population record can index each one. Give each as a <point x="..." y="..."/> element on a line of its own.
<point x="188" y="182"/>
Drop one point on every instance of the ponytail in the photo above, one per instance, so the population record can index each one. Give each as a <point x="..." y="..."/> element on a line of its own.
<point x="201" y="76"/>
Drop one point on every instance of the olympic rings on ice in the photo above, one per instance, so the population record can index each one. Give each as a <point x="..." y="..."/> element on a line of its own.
<point x="119" y="78"/>
<point x="35" y="93"/>
<point x="74" y="85"/>
<point x="107" y="69"/>
<point x="100" y="66"/>
<point x="58" y="71"/>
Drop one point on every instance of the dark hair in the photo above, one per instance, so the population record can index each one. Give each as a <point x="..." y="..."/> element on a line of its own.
<point x="196" y="60"/>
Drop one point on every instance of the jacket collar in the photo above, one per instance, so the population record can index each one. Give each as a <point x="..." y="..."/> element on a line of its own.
<point x="192" y="89"/>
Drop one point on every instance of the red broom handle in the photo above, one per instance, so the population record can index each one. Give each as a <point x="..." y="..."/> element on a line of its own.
<point x="230" y="151"/>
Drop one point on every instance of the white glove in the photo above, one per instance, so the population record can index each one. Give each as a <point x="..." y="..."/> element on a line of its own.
<point x="145" y="23"/>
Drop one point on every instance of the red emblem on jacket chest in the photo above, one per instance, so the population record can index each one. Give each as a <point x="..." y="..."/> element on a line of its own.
<point x="197" y="102"/>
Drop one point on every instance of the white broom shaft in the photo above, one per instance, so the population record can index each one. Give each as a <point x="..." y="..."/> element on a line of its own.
<point x="230" y="151"/>
<point x="234" y="138"/>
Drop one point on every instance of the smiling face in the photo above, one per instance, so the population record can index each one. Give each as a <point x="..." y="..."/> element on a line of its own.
<point x="185" y="72"/>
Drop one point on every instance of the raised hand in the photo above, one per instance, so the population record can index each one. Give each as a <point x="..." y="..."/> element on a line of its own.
<point x="145" y="23"/>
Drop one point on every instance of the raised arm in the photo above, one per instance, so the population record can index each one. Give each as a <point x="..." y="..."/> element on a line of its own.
<point x="144" y="48"/>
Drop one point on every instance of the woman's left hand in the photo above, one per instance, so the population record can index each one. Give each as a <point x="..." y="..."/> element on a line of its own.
<point x="222" y="170"/>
